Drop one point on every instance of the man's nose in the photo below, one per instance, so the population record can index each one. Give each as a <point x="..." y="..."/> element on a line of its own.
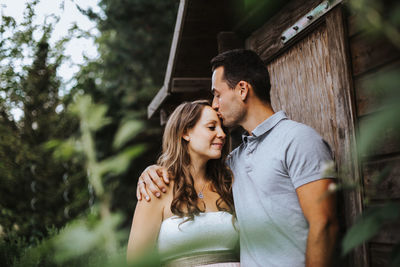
<point x="215" y="104"/>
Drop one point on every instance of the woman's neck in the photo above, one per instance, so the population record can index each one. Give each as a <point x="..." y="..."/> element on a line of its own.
<point x="198" y="171"/>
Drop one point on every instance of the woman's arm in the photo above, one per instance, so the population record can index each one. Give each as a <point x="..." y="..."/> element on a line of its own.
<point x="145" y="227"/>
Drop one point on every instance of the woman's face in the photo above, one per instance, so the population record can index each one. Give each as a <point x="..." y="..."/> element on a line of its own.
<point x="206" y="139"/>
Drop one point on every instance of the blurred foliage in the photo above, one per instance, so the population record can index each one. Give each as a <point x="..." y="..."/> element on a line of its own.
<point x="111" y="142"/>
<point x="378" y="19"/>
<point x="134" y="42"/>
<point x="32" y="182"/>
<point x="47" y="153"/>
<point x="95" y="238"/>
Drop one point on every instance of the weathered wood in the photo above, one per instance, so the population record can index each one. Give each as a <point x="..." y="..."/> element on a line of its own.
<point x="389" y="234"/>
<point x="175" y="41"/>
<point x="380" y="255"/>
<point x="163" y="93"/>
<point x="312" y="82"/>
<point x="266" y="41"/>
<point x="157" y="101"/>
<point x="193" y="59"/>
<point x="338" y="73"/>
<point x="181" y="85"/>
<point x="353" y="27"/>
<point x="370" y="101"/>
<point x="386" y="187"/>
<point x="368" y="54"/>
<point x="253" y="17"/>
<point x="228" y="41"/>
<point x="388" y="142"/>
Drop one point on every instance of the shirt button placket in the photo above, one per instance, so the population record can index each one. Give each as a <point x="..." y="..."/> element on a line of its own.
<point x="249" y="156"/>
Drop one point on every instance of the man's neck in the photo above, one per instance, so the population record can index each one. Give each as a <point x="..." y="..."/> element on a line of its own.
<point x="257" y="112"/>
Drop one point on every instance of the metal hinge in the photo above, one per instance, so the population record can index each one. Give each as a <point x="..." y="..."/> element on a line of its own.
<point x="308" y="19"/>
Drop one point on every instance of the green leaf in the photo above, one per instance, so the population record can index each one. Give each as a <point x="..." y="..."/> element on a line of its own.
<point x="92" y="115"/>
<point x="369" y="225"/>
<point x="126" y="132"/>
<point x="119" y="163"/>
<point x="79" y="239"/>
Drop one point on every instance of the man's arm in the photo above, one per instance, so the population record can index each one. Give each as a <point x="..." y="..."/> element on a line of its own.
<point x="153" y="178"/>
<point x="319" y="208"/>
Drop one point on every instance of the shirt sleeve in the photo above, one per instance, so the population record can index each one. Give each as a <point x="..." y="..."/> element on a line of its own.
<point x="308" y="157"/>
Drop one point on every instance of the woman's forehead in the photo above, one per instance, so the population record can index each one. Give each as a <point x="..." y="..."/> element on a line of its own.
<point x="209" y="114"/>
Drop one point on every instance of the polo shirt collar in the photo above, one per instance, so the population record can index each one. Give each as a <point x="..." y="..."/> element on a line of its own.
<point x="266" y="125"/>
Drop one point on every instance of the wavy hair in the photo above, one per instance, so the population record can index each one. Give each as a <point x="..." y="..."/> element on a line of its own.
<point x="176" y="159"/>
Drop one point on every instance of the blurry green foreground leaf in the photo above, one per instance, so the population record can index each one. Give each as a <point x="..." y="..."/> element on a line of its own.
<point x="91" y="114"/>
<point x="369" y="224"/>
<point x="78" y="239"/>
<point x="118" y="164"/>
<point x="126" y="132"/>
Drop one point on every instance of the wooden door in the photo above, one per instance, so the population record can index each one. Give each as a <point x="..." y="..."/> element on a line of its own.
<point x="311" y="80"/>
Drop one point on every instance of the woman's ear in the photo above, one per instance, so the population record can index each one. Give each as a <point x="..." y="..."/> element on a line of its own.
<point x="186" y="137"/>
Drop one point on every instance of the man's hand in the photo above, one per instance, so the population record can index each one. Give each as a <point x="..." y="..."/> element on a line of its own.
<point x="154" y="178"/>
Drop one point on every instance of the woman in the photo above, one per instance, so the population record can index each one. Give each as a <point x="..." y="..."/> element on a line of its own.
<point x="193" y="223"/>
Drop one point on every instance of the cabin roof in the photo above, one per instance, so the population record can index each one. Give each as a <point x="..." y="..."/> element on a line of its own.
<point x="199" y="23"/>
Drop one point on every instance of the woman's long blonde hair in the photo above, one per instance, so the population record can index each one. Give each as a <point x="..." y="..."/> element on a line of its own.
<point x="176" y="159"/>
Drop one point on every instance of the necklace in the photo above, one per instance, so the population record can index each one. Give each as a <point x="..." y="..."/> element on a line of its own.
<point x="200" y="194"/>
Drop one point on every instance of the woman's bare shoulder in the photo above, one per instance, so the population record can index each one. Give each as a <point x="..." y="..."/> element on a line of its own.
<point x="158" y="203"/>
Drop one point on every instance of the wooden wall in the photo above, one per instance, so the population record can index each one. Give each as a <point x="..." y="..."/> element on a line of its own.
<point x="370" y="58"/>
<point x="367" y="58"/>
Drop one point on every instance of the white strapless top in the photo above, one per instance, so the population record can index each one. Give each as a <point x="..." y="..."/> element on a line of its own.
<point x="208" y="232"/>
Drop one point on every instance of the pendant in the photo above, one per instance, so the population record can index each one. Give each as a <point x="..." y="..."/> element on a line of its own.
<point x="200" y="195"/>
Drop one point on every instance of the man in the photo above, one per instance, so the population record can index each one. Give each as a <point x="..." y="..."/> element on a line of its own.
<point x="285" y="216"/>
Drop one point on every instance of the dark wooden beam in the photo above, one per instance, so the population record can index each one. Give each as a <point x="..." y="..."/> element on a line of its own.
<point x="183" y="85"/>
<point x="228" y="41"/>
<point x="157" y="101"/>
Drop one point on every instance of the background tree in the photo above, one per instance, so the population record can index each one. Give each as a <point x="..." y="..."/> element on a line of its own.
<point x="33" y="184"/>
<point x="134" y="42"/>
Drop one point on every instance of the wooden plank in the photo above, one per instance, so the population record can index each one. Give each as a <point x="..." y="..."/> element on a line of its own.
<point x="389" y="185"/>
<point x="157" y="102"/>
<point x="388" y="143"/>
<point x="380" y="255"/>
<point x="389" y="234"/>
<point x="163" y="93"/>
<point x="344" y="113"/>
<point x="353" y="26"/>
<point x="175" y="40"/>
<point x="253" y="17"/>
<point x="193" y="59"/>
<point x="228" y="41"/>
<point x="368" y="54"/>
<point x="266" y="41"/>
<point x="370" y="101"/>
<point x="182" y="85"/>
<point x="312" y="82"/>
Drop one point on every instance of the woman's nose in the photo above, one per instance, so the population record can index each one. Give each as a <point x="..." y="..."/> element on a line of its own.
<point x="221" y="134"/>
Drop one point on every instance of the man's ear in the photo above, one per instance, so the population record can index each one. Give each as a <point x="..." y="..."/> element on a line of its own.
<point x="243" y="89"/>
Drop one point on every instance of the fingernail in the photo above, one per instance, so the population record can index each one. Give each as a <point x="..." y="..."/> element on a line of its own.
<point x="164" y="190"/>
<point x="147" y="198"/>
<point x="157" y="194"/>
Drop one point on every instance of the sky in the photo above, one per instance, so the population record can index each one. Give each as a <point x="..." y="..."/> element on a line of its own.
<point x="76" y="48"/>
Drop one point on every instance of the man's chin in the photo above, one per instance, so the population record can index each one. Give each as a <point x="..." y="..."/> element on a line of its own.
<point x="228" y="124"/>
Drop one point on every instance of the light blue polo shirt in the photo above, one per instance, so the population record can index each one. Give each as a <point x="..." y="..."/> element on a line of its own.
<point x="268" y="166"/>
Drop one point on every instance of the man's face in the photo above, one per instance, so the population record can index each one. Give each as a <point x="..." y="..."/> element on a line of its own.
<point x="226" y="101"/>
